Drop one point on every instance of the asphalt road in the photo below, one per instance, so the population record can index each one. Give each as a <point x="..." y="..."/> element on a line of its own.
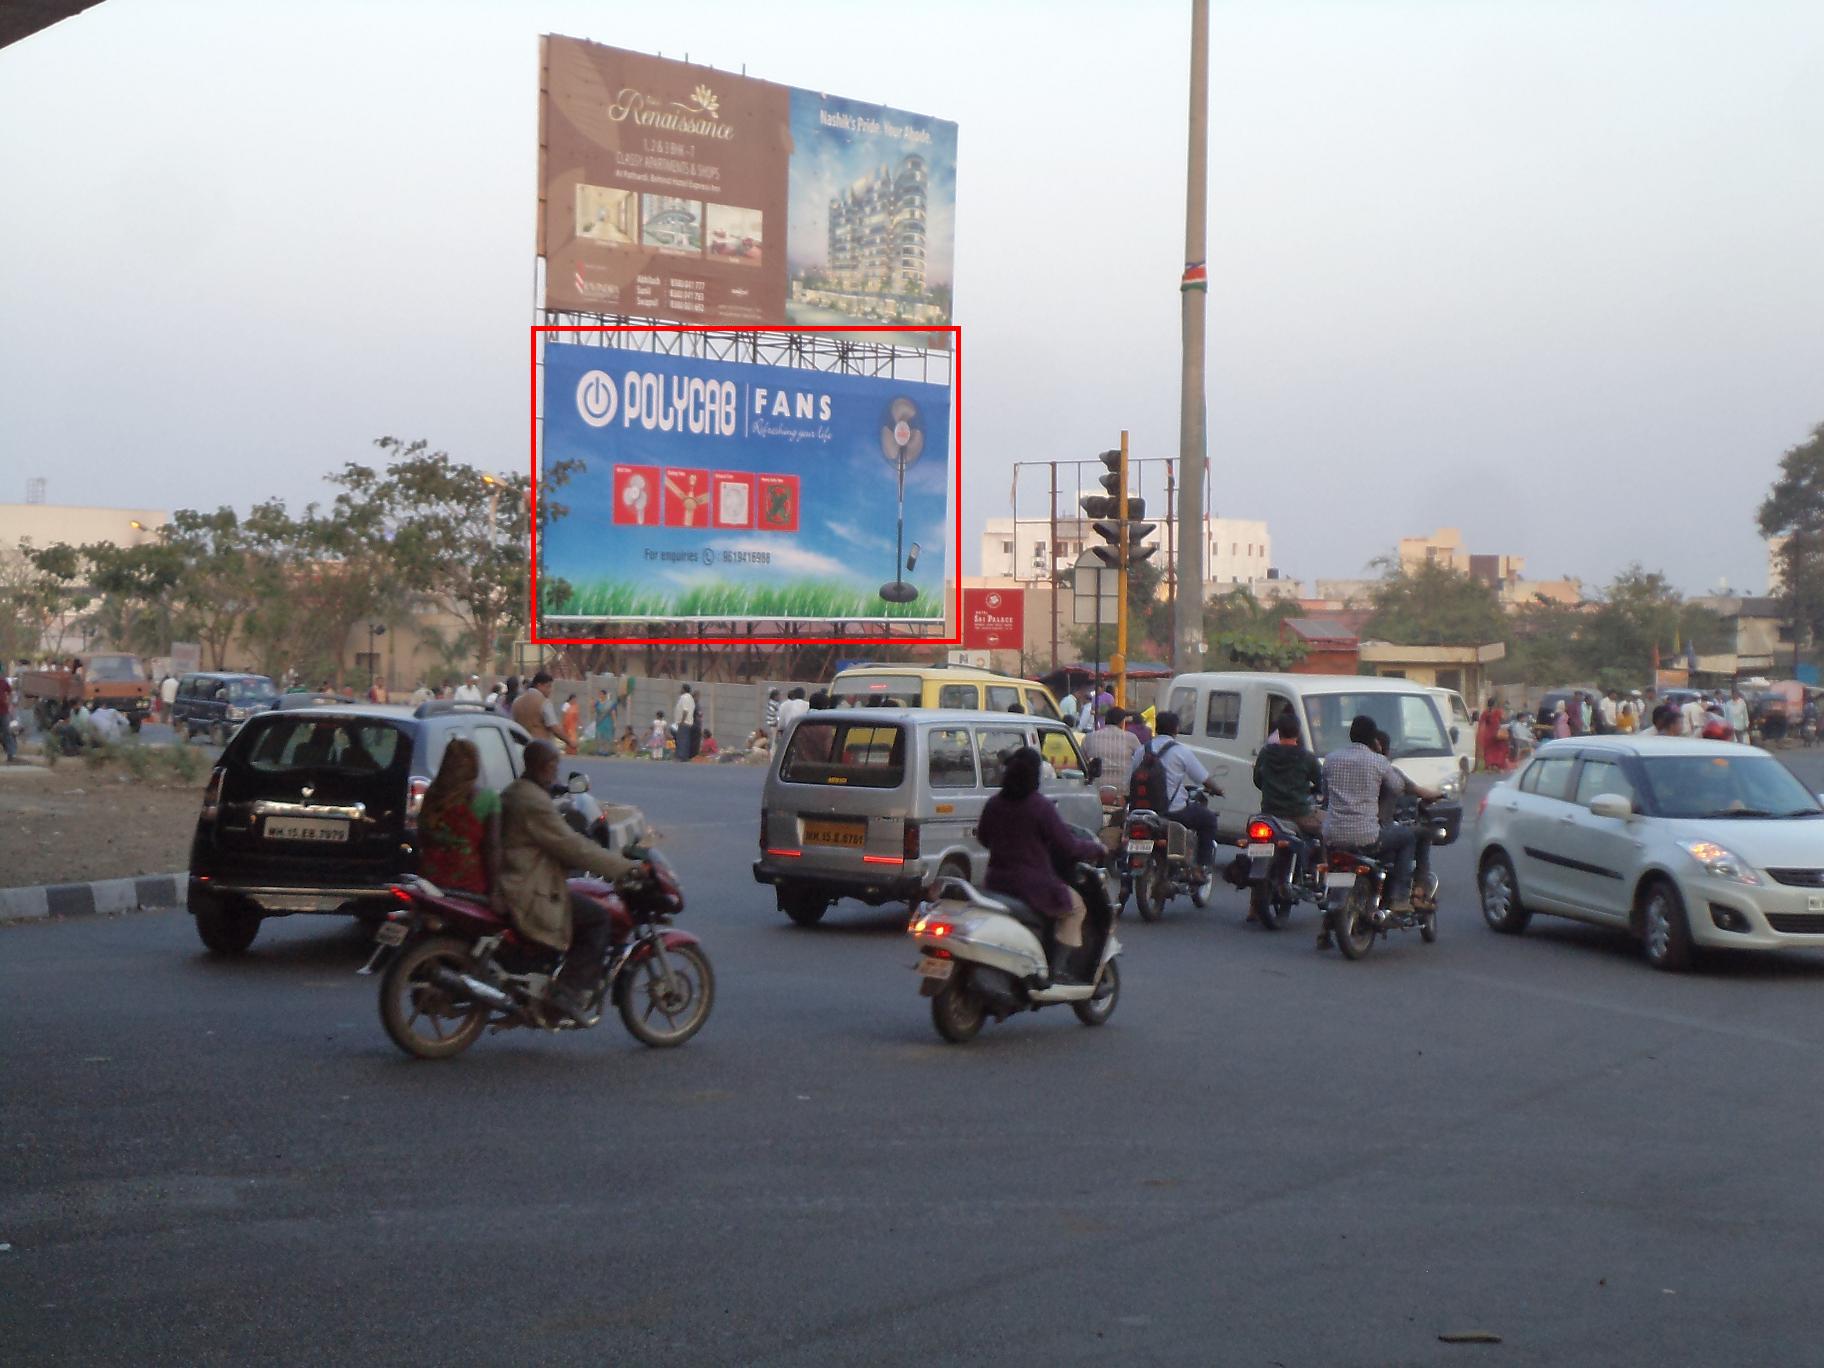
<point x="1269" y="1156"/>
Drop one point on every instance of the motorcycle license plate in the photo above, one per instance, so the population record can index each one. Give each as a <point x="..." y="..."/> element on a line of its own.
<point x="390" y="933"/>
<point x="1336" y="880"/>
<point x="1139" y="847"/>
<point x="931" y="967"/>
<point x="1260" y="851"/>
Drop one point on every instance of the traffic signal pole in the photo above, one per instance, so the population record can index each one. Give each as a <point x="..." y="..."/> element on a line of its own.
<point x="1118" y="666"/>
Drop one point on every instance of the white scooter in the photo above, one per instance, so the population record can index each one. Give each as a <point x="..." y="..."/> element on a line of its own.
<point x="986" y="954"/>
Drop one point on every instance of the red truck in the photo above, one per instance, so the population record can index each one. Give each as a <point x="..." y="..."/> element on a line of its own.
<point x="113" y="678"/>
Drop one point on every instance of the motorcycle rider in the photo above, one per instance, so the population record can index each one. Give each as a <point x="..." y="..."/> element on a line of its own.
<point x="1290" y="778"/>
<point x="1024" y="835"/>
<point x="1183" y="771"/>
<point x="1355" y="777"/>
<point x="537" y="851"/>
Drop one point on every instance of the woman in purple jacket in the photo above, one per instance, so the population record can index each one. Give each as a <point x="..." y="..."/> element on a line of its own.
<point x="1024" y="836"/>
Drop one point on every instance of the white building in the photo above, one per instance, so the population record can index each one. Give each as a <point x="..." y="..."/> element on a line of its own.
<point x="1237" y="551"/>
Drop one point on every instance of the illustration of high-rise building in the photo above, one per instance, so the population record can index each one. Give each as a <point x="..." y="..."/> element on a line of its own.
<point x="877" y="232"/>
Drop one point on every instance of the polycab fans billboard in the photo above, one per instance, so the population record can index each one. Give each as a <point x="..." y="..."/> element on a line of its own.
<point x="728" y="491"/>
<point x="680" y="192"/>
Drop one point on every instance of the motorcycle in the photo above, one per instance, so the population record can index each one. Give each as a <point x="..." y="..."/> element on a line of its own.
<point x="610" y="826"/>
<point x="1356" y="885"/>
<point x="1280" y="867"/>
<point x="986" y="955"/>
<point x="454" y="966"/>
<point x="1161" y="861"/>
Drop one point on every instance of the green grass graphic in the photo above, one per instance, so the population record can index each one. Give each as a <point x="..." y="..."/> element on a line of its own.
<point x="612" y="598"/>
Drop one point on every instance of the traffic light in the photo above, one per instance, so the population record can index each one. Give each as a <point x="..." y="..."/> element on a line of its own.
<point x="1124" y="547"/>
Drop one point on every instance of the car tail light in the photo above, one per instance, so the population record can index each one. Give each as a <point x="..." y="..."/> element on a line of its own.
<point x="212" y="796"/>
<point x="1261" y="831"/>
<point x="911" y="845"/>
<point x="414" y="799"/>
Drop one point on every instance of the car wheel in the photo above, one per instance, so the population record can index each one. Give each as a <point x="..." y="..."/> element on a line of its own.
<point x="226" y="930"/>
<point x="1501" y="906"/>
<point x="1664" y="932"/>
<point x="803" y="905"/>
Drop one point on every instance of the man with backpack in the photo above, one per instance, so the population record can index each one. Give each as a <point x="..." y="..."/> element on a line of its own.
<point x="1163" y="778"/>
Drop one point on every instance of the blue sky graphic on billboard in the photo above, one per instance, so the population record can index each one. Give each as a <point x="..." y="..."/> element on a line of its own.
<point x="724" y="490"/>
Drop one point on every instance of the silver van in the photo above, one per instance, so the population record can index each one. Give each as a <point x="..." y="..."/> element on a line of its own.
<point x="1226" y="718"/>
<point x="871" y="803"/>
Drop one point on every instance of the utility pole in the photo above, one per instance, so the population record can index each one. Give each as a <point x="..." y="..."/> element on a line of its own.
<point x="1052" y="551"/>
<point x="1187" y="611"/>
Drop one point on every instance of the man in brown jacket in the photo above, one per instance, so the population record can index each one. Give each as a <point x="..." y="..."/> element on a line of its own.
<point x="538" y="849"/>
<point x="535" y="711"/>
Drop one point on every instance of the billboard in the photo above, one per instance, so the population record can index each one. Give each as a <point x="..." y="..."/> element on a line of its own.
<point x="680" y="192"/>
<point x="994" y="619"/>
<point x="731" y="491"/>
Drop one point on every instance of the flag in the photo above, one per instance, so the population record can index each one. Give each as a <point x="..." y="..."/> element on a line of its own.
<point x="1196" y="277"/>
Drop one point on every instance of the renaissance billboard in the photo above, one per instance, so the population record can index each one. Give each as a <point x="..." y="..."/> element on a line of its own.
<point x="680" y="192"/>
<point x="729" y="491"/>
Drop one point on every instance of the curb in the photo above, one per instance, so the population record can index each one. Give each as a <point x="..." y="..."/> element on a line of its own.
<point x="88" y="899"/>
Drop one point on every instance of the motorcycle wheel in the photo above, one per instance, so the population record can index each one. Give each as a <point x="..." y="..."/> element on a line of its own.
<point x="659" y="1015"/>
<point x="1353" y="924"/>
<point x="422" y="1017"/>
<point x="956" y="1011"/>
<point x="1152" y="886"/>
<point x="1098" y="1009"/>
<point x="1428" y="927"/>
<point x="1267" y="908"/>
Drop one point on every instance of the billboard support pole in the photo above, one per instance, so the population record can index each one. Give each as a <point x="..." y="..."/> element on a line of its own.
<point x="1053" y="553"/>
<point x="1187" y="615"/>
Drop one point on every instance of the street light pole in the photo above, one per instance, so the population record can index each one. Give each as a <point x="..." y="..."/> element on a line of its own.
<point x="1187" y="611"/>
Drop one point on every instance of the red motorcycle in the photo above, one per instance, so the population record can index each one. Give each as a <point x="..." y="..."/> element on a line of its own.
<point x="456" y="967"/>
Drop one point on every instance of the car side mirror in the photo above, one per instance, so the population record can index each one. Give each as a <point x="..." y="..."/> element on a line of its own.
<point x="1092" y="769"/>
<point x="579" y="782"/>
<point x="1611" y="805"/>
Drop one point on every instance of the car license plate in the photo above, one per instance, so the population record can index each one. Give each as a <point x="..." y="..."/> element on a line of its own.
<point x="848" y="835"/>
<point x="934" y="968"/>
<point x="305" y="829"/>
<point x="1139" y="847"/>
<point x="1342" y="879"/>
<point x="1814" y="902"/>
<point x="390" y="933"/>
<point x="1260" y="852"/>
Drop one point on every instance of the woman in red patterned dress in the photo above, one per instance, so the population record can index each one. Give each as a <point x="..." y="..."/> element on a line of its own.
<point x="459" y="826"/>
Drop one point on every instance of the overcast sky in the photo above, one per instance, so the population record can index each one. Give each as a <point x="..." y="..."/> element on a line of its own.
<point x="1551" y="272"/>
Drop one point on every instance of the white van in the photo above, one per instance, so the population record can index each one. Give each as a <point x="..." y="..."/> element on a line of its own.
<point x="1462" y="726"/>
<point x="1226" y="718"/>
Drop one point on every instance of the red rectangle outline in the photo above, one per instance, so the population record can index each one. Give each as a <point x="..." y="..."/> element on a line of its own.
<point x="955" y="638"/>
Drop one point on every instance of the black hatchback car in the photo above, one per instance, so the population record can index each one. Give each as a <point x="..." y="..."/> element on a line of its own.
<point x="315" y="809"/>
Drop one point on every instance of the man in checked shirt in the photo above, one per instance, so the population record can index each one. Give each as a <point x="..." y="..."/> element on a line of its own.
<point x="1355" y="777"/>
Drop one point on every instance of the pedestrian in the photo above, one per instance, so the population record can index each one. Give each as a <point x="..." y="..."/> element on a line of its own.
<point x="1808" y="720"/>
<point x="603" y="711"/>
<point x="790" y="711"/>
<point x="1136" y="723"/>
<point x="570" y="723"/>
<point x="1738" y="715"/>
<point x="422" y="694"/>
<point x="684" y="722"/>
<point x="1695" y="715"/>
<point x="8" y="741"/>
<point x="469" y="692"/>
<point x="509" y="695"/>
<point x="1491" y="737"/>
<point x="1561" y="722"/>
<point x="770" y="722"/>
<point x="1067" y="707"/>
<point x="535" y="711"/>
<point x="656" y="736"/>
<point x="1104" y="701"/>
<point x="167" y="695"/>
<point x="1520" y="735"/>
<point x="709" y="749"/>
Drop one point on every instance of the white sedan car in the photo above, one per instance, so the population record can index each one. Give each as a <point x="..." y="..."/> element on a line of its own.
<point x="1685" y="843"/>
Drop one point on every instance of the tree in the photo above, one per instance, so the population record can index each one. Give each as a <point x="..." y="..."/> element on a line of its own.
<point x="137" y="587"/>
<point x="41" y="591"/>
<point x="1244" y="633"/>
<point x="1434" y="605"/>
<point x="1794" y="509"/>
<point x="217" y="583"/>
<point x="1541" y="644"/>
<point x="1640" y="613"/>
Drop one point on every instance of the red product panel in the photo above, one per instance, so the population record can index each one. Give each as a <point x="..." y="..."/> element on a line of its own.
<point x="778" y="503"/>
<point x="686" y="497"/>
<point x="734" y="499"/>
<point x="636" y="496"/>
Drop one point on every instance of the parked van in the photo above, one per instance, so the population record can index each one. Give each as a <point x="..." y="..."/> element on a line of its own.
<point x="871" y="803"/>
<point x="1226" y="719"/>
<point x="213" y="704"/>
<point x="1462" y="727"/>
<point x="943" y="686"/>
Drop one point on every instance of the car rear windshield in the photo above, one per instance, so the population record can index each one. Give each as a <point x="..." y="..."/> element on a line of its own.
<point x="856" y="754"/>
<point x="277" y="743"/>
<point x="900" y="691"/>
<point x="1411" y="720"/>
<point x="111" y="667"/>
<point x="1725" y="786"/>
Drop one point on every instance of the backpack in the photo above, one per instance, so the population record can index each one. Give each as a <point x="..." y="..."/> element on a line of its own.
<point x="1149" y="787"/>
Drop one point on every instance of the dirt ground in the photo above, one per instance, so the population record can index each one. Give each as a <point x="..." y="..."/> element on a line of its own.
<point x="73" y="824"/>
